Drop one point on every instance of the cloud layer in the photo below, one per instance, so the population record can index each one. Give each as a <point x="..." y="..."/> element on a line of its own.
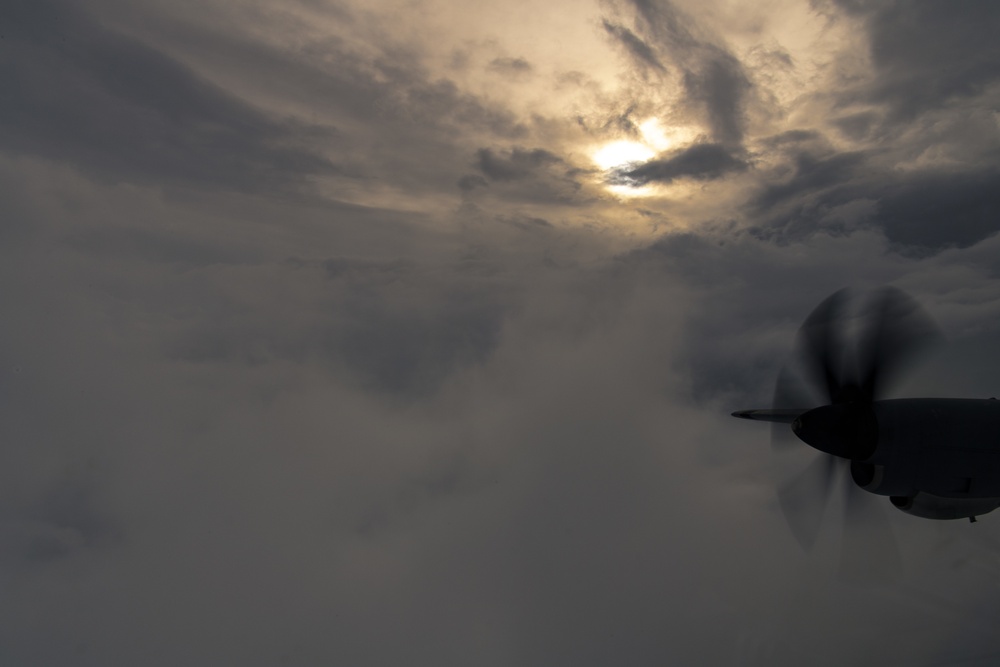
<point x="327" y="341"/>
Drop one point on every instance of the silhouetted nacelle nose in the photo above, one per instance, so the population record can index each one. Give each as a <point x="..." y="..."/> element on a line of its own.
<point x="847" y="430"/>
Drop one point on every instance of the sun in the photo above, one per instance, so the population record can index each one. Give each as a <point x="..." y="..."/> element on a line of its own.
<point x="652" y="139"/>
<point x="622" y="153"/>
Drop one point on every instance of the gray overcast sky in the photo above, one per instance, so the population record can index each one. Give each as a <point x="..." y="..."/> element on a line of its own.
<point x="407" y="332"/>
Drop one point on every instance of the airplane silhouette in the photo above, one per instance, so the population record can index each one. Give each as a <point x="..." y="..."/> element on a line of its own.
<point x="936" y="458"/>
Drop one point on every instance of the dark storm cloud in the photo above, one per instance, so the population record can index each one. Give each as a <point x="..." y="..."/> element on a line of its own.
<point x="924" y="210"/>
<point x="812" y="173"/>
<point x="935" y="210"/>
<point x="926" y="53"/>
<point x="700" y="162"/>
<point x="78" y="91"/>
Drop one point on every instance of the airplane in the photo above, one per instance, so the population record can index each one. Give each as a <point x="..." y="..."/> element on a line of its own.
<point x="935" y="458"/>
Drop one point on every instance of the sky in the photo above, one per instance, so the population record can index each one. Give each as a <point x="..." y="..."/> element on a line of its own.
<point x="406" y="332"/>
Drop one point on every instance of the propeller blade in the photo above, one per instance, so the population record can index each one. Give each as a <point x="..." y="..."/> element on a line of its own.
<point x="804" y="498"/>
<point x="869" y="552"/>
<point x="821" y="345"/>
<point x="897" y="330"/>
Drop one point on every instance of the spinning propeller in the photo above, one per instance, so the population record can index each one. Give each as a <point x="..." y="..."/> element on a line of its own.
<point x="850" y="351"/>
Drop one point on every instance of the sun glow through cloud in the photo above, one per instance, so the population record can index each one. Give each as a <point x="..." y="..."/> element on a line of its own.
<point x="621" y="153"/>
<point x="654" y="135"/>
<point x="654" y="139"/>
<point x="619" y="156"/>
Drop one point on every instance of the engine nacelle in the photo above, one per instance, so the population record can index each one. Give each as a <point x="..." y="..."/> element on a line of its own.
<point x="883" y="480"/>
<point x="928" y="506"/>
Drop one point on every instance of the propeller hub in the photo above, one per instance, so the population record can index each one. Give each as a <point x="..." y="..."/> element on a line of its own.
<point x="847" y="430"/>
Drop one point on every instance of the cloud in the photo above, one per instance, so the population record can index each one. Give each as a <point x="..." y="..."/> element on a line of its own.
<point x="358" y="448"/>
<point x="924" y="210"/>
<point x="110" y="104"/>
<point x="721" y="86"/>
<point x="518" y="164"/>
<point x="936" y="210"/>
<point x="925" y="55"/>
<point x="640" y="50"/>
<point x="400" y="349"/>
<point x="470" y="182"/>
<point x="348" y="358"/>
<point x="713" y="78"/>
<point x="524" y="442"/>
<point x="528" y="174"/>
<point x="511" y="66"/>
<point x="813" y="173"/>
<point x="699" y="162"/>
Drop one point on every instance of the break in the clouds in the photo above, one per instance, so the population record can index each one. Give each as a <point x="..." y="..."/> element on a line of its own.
<point x="354" y="333"/>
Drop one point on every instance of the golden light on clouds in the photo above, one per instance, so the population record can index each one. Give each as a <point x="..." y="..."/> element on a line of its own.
<point x="654" y="135"/>
<point x="563" y="107"/>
